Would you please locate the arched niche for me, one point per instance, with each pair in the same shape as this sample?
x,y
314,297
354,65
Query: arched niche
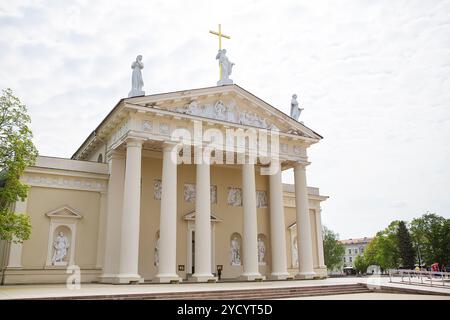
x,y
235,249
62,236
262,249
293,245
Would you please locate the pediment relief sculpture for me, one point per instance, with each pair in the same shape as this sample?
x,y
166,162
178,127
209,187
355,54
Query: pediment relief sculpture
x,y
226,112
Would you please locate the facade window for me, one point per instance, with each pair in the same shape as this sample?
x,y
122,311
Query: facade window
x,y
356,251
350,258
344,259
349,251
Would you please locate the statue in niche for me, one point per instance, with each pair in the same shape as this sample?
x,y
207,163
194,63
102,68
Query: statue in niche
x,y
60,246
136,78
235,252
157,252
295,110
295,252
226,67
261,250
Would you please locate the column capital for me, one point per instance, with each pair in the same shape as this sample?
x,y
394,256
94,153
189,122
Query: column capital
x,y
114,154
301,165
134,142
169,146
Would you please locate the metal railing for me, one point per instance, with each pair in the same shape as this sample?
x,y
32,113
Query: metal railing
x,y
425,278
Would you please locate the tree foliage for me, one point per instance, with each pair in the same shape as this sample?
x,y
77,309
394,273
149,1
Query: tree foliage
x,y
360,264
431,234
383,249
17,152
405,246
333,249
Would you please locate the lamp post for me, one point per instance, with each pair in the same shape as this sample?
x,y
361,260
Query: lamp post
x,y
418,252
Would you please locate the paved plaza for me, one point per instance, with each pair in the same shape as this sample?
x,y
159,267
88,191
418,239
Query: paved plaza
x,y
60,290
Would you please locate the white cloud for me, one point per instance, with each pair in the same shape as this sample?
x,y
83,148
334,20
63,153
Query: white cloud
x,y
373,78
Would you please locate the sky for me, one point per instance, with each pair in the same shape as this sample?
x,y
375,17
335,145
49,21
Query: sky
x,y
373,78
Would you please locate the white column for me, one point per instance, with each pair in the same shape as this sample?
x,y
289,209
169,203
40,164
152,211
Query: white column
x,y
305,253
101,230
168,218
15,249
113,217
203,225
250,238
319,238
129,249
277,228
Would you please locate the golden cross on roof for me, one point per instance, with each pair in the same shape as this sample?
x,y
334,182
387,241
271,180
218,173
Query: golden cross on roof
x,y
220,35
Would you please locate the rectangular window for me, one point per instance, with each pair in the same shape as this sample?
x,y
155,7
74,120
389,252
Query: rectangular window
x,y
349,251
350,259
344,259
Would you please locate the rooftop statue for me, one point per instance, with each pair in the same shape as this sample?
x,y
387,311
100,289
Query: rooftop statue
x,y
136,78
225,66
295,110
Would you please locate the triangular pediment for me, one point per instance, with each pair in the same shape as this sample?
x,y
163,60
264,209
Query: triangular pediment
x,y
64,212
191,217
225,105
229,103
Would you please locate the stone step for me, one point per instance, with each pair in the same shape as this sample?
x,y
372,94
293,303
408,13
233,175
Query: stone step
x,y
266,293
269,295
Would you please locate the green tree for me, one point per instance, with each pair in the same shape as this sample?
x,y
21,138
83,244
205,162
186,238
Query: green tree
x,y
16,153
333,250
383,249
405,246
360,264
431,235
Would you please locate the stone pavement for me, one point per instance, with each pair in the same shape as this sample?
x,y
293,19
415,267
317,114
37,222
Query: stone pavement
x,y
375,296
60,290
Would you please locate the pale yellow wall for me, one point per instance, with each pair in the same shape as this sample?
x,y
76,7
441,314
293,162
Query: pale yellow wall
x,y
290,218
231,217
43,200
312,220
149,222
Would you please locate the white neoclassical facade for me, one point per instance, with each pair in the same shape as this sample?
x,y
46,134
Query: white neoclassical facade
x,y
180,186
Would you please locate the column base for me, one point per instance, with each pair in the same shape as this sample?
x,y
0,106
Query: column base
x,y
252,277
107,278
14,267
127,279
305,275
279,276
167,278
203,278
